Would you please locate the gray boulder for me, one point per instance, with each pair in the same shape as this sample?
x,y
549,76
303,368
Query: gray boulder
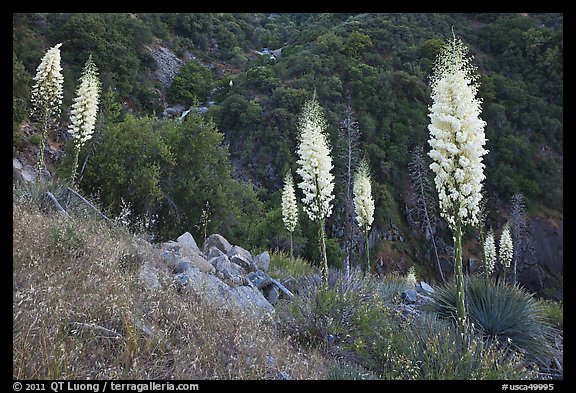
x,y
148,278
262,261
259,279
218,241
187,241
408,296
284,292
219,294
228,271
249,299
170,258
182,266
424,288
176,258
241,257
272,294
199,262
214,252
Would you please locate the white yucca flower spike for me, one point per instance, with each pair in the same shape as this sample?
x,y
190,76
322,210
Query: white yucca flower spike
x,y
363,202
46,93
315,163
506,247
456,135
489,253
85,106
289,207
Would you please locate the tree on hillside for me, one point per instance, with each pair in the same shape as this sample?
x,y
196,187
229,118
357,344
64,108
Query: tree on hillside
x,y
425,206
349,135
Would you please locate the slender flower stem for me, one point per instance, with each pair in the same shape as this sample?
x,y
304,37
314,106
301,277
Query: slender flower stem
x,y
324,256
459,276
367,251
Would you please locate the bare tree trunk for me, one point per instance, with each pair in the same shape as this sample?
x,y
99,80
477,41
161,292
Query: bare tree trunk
x,y
419,182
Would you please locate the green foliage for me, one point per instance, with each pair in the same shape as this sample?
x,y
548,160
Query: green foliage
x,y
352,321
127,165
281,266
262,78
426,349
357,43
35,139
350,371
171,169
65,242
502,313
553,312
191,85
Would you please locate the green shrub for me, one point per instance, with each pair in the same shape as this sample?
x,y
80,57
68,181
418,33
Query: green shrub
x,y
35,139
191,85
340,317
553,312
350,371
281,266
500,312
65,241
426,348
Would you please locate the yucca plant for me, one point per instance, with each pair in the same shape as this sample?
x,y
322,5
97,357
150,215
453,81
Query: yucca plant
x,y
502,313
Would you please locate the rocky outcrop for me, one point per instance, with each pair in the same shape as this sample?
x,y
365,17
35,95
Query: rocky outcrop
x,y
168,64
223,275
542,259
218,241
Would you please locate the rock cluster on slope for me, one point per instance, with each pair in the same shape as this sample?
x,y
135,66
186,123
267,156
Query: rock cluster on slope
x,y
222,274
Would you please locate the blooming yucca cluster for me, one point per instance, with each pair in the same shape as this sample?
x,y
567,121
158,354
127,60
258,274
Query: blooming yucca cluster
x,y
85,106
289,207
506,247
46,94
363,201
315,163
457,135
489,253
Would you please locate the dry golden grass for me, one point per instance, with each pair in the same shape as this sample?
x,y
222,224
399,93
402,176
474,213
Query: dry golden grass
x,y
67,273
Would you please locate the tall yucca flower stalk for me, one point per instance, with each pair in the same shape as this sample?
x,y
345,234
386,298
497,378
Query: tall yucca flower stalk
x,y
46,96
289,208
84,109
315,164
489,253
506,248
457,141
363,203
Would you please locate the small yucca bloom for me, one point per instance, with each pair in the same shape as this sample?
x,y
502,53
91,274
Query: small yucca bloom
x,y
85,106
489,253
506,247
46,93
84,109
289,207
363,201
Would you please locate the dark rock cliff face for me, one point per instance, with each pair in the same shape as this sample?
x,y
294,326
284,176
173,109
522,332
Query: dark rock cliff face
x,y
542,261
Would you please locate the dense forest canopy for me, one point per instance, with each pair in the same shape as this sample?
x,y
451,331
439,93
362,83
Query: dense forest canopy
x,y
236,153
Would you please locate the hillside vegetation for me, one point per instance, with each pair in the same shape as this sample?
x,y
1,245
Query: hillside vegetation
x,y
287,196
